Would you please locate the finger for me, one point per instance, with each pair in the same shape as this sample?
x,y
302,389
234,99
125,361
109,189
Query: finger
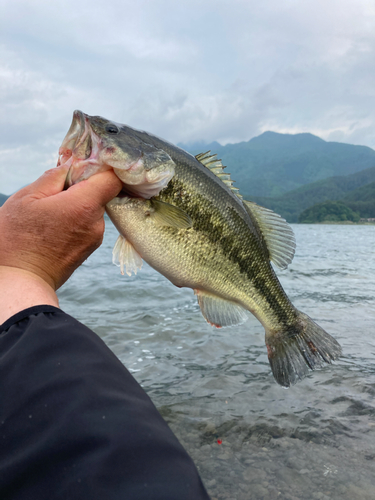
x,y
100,188
48,184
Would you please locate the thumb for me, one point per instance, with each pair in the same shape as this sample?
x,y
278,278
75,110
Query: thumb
x,y
100,188
48,184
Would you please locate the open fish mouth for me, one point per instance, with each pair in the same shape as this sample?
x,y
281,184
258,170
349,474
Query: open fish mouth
x,y
76,134
94,144
79,150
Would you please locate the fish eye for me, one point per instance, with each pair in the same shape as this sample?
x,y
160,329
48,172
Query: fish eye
x,y
111,129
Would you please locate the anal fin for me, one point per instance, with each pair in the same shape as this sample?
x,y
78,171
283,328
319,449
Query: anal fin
x,y
126,256
220,312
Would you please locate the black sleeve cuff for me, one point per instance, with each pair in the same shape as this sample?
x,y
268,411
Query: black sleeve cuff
x,y
74,423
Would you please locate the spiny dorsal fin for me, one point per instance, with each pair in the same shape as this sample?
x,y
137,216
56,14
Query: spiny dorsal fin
x,y
211,162
278,234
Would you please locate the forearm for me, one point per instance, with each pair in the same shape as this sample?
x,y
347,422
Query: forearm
x,y
20,289
75,424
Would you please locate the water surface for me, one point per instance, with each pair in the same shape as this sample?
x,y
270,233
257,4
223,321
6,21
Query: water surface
x,y
315,440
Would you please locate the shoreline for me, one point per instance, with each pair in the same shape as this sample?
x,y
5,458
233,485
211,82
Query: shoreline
x,y
346,223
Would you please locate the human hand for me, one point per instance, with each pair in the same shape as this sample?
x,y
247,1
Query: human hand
x,y
49,232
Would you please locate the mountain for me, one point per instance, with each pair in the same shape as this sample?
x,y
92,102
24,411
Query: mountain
x,y
362,200
3,198
273,164
291,204
358,203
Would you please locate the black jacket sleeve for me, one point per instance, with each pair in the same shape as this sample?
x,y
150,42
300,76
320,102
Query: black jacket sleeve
x,y
74,424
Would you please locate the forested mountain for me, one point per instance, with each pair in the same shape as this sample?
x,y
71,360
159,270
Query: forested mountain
x,y
351,189
359,203
328,211
362,200
273,164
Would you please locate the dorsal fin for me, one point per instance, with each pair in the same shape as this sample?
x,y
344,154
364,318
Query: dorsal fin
x,y
211,162
278,234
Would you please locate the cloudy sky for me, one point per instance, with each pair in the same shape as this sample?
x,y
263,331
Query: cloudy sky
x,y
185,70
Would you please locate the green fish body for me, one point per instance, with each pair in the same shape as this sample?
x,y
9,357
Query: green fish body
x,y
196,230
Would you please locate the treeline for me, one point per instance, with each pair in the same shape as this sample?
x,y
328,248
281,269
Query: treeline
x,y
360,203
328,211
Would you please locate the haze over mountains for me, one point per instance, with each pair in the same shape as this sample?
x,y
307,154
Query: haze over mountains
x,y
273,164
289,173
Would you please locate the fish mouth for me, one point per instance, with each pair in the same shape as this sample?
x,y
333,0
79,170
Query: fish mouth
x,y
76,132
79,149
87,149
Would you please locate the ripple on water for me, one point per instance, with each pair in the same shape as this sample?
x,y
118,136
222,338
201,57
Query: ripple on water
x,y
315,440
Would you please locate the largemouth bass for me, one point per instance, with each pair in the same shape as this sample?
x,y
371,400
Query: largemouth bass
x,y
182,215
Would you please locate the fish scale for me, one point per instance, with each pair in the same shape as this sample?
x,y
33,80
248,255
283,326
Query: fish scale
x,y
240,248
190,224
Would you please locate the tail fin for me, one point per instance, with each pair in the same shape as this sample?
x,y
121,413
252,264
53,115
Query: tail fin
x,y
294,351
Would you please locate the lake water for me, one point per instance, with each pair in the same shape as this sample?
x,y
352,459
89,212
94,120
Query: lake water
x,y
315,440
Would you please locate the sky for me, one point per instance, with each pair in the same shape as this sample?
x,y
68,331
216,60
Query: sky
x,y
187,70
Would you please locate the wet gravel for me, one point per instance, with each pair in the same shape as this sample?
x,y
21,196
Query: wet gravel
x,y
263,462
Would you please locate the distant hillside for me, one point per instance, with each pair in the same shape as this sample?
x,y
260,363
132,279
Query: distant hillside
x,y
291,204
3,198
362,200
358,203
328,211
273,164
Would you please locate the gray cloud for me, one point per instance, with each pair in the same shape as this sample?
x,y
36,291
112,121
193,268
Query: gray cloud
x,y
190,70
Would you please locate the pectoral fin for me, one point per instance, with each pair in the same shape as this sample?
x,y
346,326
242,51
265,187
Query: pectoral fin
x,y
126,256
165,214
219,312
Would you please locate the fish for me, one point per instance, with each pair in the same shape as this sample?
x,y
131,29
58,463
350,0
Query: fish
x,y
183,216
94,144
